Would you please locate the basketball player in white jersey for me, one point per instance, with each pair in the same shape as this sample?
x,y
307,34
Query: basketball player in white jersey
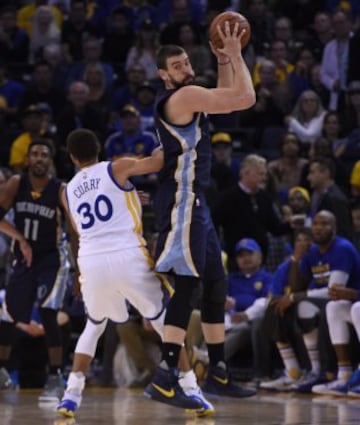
x,y
114,264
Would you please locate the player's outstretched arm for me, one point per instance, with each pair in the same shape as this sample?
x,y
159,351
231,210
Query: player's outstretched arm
x,y
125,167
8,193
10,230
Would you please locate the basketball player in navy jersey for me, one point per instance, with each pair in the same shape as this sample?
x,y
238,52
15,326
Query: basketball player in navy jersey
x,y
35,199
188,246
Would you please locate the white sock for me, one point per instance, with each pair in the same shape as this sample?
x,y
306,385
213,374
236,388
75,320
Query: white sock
x,y
76,381
311,341
188,379
290,361
344,372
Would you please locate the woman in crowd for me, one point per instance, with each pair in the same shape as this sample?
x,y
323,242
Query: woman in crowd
x,y
306,119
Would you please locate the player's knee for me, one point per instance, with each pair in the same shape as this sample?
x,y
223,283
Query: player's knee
x,y
213,301
331,309
89,337
215,291
183,301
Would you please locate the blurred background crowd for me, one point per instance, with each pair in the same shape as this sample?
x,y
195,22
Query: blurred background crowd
x,y
67,64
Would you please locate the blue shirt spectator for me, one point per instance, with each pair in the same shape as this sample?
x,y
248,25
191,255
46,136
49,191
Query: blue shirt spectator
x,y
131,139
251,281
340,256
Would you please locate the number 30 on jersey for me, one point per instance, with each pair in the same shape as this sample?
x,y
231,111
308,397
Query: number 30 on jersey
x,y
101,210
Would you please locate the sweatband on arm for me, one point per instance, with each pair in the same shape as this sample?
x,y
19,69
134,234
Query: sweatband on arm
x,y
338,277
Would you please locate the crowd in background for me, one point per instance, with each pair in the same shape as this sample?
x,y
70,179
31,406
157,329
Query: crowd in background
x,y
67,64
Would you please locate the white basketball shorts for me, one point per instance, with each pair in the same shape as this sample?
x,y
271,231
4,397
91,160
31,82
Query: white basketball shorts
x,y
108,280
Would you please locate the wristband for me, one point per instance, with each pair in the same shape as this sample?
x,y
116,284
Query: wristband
x,y
224,63
2,213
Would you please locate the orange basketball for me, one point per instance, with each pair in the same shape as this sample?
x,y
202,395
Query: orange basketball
x,y
232,17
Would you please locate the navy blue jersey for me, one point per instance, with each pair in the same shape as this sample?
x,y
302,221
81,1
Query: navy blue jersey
x,y
187,243
38,215
187,149
340,256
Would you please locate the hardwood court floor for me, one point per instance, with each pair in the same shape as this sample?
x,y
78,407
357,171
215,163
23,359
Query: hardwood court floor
x,y
129,407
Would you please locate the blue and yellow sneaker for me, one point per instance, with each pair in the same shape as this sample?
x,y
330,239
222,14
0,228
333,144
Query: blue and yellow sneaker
x,y
70,403
308,381
207,408
188,382
165,388
67,408
219,383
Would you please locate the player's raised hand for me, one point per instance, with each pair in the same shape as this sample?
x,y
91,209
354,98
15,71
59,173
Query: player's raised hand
x,y
231,39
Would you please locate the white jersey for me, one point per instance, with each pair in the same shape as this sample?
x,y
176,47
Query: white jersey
x,y
107,216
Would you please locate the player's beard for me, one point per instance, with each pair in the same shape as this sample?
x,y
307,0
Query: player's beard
x,y
39,170
187,81
323,239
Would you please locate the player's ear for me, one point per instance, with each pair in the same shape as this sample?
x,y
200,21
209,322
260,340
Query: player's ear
x,y
73,159
163,74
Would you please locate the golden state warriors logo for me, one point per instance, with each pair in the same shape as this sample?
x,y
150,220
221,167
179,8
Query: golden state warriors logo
x,y
139,148
321,273
258,285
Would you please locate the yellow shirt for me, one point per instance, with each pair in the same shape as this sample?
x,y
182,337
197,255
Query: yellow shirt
x,y
25,16
355,175
280,74
18,150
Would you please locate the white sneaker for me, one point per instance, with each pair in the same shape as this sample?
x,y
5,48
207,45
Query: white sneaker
x,y
5,379
337,387
53,389
283,383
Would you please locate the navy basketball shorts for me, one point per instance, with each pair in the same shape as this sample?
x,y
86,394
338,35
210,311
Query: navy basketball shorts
x,y
188,244
43,284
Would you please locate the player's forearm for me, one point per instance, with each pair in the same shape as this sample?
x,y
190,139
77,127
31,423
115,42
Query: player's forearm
x,y
7,228
225,73
243,84
295,279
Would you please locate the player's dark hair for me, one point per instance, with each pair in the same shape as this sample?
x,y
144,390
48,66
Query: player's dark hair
x,y
43,142
83,144
166,52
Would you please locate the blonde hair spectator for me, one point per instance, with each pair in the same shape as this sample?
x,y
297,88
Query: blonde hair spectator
x,y
94,77
306,119
44,31
251,162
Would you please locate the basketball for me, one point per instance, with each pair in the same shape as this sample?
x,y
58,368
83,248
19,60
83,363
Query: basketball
x,y
232,17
